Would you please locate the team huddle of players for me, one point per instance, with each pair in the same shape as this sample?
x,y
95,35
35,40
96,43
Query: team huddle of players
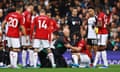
x,y
37,34
22,29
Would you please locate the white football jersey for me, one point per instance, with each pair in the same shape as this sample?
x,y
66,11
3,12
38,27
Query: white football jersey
x,y
91,31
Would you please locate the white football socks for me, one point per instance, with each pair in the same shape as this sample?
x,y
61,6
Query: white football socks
x,y
51,58
96,58
24,55
31,57
75,59
104,57
35,58
13,58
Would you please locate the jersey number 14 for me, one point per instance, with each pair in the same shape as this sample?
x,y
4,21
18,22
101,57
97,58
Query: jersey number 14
x,y
42,24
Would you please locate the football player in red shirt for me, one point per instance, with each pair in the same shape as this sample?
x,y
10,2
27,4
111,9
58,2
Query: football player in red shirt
x,y
26,43
81,52
53,26
14,21
41,37
102,37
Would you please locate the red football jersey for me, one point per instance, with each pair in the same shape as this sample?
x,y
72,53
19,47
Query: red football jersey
x,y
27,19
41,24
102,18
52,27
82,44
14,19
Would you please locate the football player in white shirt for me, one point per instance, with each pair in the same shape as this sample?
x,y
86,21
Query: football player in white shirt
x,y
92,36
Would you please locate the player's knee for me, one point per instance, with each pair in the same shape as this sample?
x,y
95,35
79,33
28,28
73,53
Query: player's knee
x,y
18,50
15,49
85,59
31,48
36,50
75,56
1,48
24,48
1,44
49,50
102,48
50,54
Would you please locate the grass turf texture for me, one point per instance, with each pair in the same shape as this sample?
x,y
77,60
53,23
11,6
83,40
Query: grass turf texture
x,y
112,68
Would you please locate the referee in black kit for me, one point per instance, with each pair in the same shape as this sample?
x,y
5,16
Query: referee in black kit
x,y
74,22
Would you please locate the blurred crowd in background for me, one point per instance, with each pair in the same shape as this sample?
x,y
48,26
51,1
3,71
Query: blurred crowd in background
x,y
61,10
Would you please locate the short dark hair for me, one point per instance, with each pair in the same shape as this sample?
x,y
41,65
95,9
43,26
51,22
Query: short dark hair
x,y
48,12
63,26
75,7
56,33
18,7
91,7
42,11
100,7
29,4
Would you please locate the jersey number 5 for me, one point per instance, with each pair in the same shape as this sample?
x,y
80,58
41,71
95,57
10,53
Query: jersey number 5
x,y
42,24
13,22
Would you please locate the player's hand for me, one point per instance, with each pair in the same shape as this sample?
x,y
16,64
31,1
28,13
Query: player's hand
x,y
32,35
68,45
31,38
1,32
115,48
27,39
0,38
99,25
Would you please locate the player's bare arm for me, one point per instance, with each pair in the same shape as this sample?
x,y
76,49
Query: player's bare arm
x,y
3,24
99,24
73,47
24,32
76,48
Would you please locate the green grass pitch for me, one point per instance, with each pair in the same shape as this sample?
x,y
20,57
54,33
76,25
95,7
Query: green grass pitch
x,y
112,68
